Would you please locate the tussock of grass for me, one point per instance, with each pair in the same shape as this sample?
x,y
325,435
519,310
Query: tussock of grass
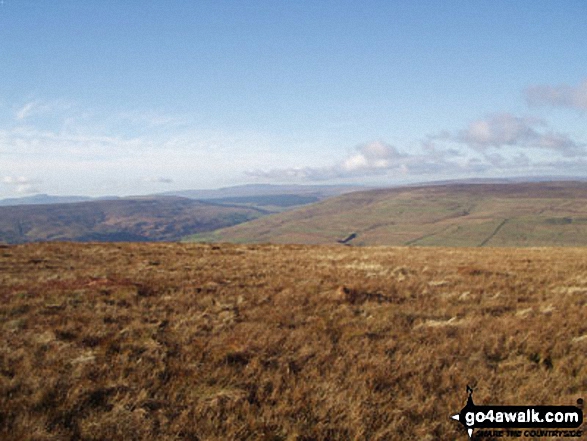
x,y
208,342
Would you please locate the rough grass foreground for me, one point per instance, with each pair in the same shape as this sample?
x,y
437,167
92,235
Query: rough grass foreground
x,y
206,342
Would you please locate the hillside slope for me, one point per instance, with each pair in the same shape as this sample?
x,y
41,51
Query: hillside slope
x,y
520,214
147,219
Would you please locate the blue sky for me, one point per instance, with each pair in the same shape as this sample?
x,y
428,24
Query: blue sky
x,y
135,97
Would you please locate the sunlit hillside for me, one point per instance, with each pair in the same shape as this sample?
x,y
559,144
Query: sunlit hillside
x,y
471,215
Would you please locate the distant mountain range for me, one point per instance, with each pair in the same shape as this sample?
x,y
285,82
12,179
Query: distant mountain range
x,y
510,214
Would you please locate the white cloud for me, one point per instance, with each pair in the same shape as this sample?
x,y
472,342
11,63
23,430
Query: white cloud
x,y
499,130
502,130
573,97
481,152
376,158
371,157
78,152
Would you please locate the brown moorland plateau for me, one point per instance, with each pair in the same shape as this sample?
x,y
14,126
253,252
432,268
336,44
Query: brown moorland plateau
x,y
282,342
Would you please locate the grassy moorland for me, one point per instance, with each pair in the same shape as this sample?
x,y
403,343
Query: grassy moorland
x,y
234,342
470,215
123,220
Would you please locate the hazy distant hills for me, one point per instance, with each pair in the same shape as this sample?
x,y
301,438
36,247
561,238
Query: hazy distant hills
x,y
144,219
509,214
42,199
266,196
257,190
274,198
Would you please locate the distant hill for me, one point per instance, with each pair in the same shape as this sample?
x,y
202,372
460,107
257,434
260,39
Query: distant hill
x,y
509,214
42,199
275,202
257,190
143,219
268,197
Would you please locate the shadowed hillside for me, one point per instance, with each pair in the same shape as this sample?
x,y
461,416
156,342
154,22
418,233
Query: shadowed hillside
x,y
521,214
250,342
138,220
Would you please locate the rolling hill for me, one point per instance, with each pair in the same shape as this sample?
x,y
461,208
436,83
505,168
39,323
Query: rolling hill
x,y
44,199
138,220
268,197
511,214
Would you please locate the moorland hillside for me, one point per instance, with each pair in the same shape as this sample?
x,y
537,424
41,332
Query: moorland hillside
x,y
123,220
472,215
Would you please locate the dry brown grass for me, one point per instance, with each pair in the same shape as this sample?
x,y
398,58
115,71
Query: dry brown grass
x,y
207,342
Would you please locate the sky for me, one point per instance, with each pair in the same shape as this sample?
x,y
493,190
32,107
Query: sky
x,y
138,97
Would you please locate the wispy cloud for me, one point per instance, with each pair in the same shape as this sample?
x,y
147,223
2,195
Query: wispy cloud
x,y
573,97
39,107
26,110
151,119
20,184
27,140
158,180
14,180
81,151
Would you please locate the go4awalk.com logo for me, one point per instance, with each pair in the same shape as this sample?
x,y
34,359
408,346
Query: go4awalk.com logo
x,y
518,421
